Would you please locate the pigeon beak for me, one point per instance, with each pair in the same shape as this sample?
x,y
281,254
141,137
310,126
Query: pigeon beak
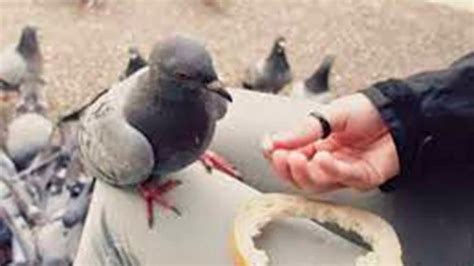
x,y
218,87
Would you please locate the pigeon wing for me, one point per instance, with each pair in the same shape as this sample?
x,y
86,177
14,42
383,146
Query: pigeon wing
x,y
112,149
12,67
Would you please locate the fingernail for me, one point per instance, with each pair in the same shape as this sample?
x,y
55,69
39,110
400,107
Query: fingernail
x,y
267,146
267,143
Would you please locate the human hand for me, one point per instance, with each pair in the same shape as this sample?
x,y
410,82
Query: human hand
x,y
359,153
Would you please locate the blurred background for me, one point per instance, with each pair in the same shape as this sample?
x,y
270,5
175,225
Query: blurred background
x,y
85,48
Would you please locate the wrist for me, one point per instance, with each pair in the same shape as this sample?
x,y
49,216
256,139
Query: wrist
x,y
398,106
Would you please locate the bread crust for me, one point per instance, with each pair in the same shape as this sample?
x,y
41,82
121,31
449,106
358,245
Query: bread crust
x,y
258,212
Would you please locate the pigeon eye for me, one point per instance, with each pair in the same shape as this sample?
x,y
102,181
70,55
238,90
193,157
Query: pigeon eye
x,y
182,76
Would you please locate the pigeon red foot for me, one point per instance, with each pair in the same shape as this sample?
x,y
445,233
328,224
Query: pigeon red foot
x,y
8,96
212,160
4,97
153,192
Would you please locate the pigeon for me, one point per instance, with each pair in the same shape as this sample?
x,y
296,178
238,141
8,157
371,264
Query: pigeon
x,y
6,240
30,131
164,116
31,98
78,204
7,170
21,61
91,4
28,135
55,194
52,244
270,75
76,188
7,167
14,212
135,63
317,85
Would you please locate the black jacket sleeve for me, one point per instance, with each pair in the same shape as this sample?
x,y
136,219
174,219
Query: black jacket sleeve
x,y
431,119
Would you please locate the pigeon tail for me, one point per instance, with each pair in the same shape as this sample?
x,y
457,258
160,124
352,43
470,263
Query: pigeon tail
x,y
319,81
76,114
247,85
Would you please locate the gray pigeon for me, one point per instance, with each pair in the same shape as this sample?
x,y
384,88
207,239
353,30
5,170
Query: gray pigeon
x,y
78,204
52,244
135,63
270,75
6,240
28,135
31,97
29,132
91,4
7,167
163,116
21,61
317,85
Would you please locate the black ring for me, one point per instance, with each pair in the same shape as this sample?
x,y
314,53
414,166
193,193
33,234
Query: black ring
x,y
324,124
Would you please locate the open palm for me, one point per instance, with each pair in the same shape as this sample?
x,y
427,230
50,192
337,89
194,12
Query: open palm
x,y
360,152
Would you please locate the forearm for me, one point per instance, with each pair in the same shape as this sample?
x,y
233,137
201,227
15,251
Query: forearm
x,y
430,116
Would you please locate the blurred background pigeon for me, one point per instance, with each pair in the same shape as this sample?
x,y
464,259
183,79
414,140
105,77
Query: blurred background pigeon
x,y
90,4
28,135
6,237
78,203
135,62
52,243
7,167
271,74
20,61
32,99
30,130
317,85
42,182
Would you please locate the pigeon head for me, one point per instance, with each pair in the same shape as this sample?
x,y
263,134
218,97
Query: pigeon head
x,y
183,69
279,46
55,185
277,59
133,52
75,188
28,44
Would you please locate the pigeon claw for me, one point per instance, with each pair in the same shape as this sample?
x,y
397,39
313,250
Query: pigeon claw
x,y
212,160
152,192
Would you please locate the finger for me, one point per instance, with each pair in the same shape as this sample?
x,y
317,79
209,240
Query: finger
x,y
267,147
308,150
322,181
349,174
279,160
325,145
300,137
299,170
